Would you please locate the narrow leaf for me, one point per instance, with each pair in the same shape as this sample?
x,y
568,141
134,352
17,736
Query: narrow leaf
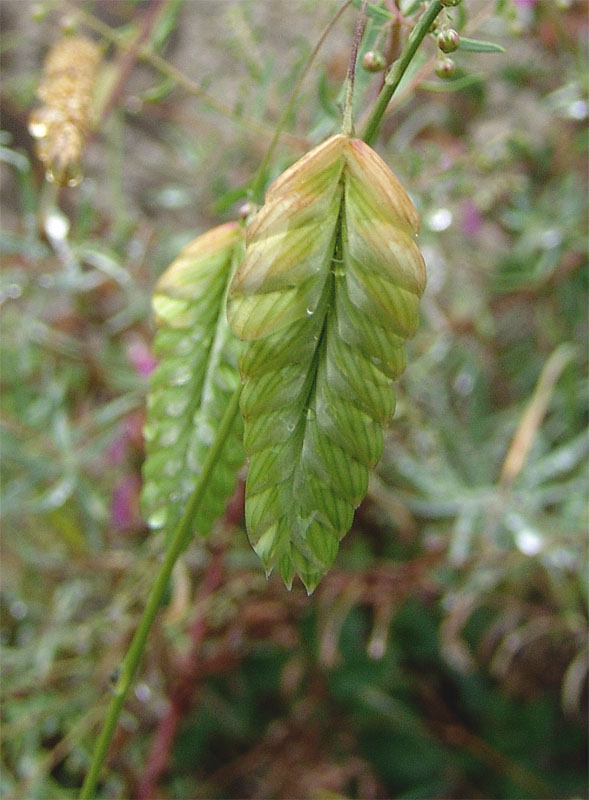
x,y
326,295
478,46
375,11
193,383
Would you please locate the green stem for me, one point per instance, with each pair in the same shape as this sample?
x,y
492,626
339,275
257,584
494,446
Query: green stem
x,y
131,660
398,69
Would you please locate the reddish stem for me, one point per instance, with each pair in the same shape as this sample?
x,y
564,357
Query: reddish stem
x,y
129,58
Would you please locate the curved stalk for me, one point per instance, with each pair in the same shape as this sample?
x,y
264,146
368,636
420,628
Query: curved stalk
x,y
398,69
256,186
348,123
131,660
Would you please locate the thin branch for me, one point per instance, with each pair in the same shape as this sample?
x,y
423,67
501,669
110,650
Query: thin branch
x,y
534,414
144,53
130,56
348,123
259,176
131,660
398,69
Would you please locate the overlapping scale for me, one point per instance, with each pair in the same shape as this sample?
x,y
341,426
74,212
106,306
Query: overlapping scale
x,y
326,296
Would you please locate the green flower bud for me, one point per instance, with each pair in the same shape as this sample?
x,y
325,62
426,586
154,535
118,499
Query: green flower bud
x,y
373,61
445,67
448,40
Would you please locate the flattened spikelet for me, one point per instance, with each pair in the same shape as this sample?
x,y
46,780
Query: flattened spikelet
x,y
62,123
326,295
193,383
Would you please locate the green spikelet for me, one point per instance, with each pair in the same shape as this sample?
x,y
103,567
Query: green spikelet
x,y
326,295
193,382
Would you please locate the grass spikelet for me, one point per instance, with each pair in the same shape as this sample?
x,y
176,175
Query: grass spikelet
x,y
62,123
193,383
326,296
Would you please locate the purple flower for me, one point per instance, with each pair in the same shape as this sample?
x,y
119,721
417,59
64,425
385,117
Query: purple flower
x,y
124,507
472,221
141,357
117,449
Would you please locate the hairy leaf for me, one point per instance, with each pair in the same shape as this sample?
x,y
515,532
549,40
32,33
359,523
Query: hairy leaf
x,y
327,293
195,379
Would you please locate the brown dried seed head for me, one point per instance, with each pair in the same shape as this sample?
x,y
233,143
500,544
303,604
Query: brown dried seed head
x,y
62,123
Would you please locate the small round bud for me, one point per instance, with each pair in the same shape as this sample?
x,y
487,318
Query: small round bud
x,y
373,61
448,40
247,209
450,2
445,67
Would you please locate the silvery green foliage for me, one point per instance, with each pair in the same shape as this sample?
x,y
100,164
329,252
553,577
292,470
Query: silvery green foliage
x,y
326,296
193,383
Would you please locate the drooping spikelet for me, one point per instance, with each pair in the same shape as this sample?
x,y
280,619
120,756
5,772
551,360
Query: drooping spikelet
x,y
62,123
326,296
193,383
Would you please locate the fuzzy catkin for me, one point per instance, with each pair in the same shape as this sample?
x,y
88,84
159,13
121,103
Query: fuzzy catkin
x,y
62,123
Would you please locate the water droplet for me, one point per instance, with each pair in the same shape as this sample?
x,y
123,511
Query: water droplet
x,y
578,109
74,176
529,542
440,219
311,415
57,226
38,127
142,692
158,518
290,426
310,311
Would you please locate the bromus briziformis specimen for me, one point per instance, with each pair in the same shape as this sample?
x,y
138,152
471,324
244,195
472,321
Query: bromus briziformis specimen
x,y
326,296
193,383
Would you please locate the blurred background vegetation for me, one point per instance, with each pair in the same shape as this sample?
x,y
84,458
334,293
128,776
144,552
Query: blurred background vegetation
x,y
445,656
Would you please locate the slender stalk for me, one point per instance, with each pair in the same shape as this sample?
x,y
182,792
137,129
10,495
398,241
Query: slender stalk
x,y
144,53
398,69
348,122
259,176
129,57
131,660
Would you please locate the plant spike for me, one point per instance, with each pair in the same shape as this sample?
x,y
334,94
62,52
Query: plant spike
x,y
193,383
326,295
